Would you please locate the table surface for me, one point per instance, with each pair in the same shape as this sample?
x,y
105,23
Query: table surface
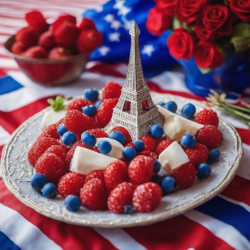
x,y
222,223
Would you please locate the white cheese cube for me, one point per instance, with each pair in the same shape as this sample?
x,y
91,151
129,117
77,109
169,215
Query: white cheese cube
x,y
116,150
51,117
85,160
166,113
173,157
176,126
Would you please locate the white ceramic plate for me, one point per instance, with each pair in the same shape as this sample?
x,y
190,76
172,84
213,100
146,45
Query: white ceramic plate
x,y
17,171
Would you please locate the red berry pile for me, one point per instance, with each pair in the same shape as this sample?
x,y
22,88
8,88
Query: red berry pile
x,y
125,184
61,39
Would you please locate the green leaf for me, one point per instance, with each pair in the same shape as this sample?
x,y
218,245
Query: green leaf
x,y
58,103
205,71
176,23
240,37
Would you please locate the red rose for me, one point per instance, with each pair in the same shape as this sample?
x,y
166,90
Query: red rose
x,y
188,10
181,44
208,55
241,9
157,21
167,6
215,21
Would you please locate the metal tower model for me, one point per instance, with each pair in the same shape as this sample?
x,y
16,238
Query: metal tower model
x,y
135,109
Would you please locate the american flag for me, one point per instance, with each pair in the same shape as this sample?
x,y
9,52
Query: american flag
x,y
222,223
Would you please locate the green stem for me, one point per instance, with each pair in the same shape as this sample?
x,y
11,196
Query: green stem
x,y
243,109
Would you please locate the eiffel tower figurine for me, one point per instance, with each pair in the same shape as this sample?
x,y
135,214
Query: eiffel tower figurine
x,y
135,109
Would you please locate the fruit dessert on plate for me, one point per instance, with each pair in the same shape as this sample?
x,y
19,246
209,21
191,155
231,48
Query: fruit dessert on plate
x,y
75,158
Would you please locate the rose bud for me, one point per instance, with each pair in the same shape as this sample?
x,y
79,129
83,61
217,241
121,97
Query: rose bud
x,y
27,36
157,21
181,44
47,41
66,35
89,40
208,55
17,48
35,52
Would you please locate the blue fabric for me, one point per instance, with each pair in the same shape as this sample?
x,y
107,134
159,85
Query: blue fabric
x,y
7,244
230,213
116,17
8,84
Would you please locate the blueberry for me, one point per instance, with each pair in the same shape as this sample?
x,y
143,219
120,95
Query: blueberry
x,y
129,153
161,103
89,110
128,209
98,104
61,129
156,179
139,145
214,155
49,190
69,138
88,139
104,147
72,203
157,167
118,136
171,106
90,95
156,131
203,170
188,110
168,184
38,181
188,140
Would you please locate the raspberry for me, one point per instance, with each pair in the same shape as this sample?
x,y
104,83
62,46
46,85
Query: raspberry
x,y
163,145
159,140
185,175
149,154
98,174
124,132
140,169
111,90
77,122
99,133
104,113
150,143
78,104
94,195
51,132
57,150
210,136
207,117
130,144
51,166
115,173
39,147
71,152
120,196
147,197
70,184
198,154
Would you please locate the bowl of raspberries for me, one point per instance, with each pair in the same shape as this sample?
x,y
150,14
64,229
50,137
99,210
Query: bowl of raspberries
x,y
53,54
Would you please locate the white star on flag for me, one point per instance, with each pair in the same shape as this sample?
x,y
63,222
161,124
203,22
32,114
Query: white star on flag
x,y
109,18
148,49
99,9
127,24
124,11
115,24
114,37
118,4
104,50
